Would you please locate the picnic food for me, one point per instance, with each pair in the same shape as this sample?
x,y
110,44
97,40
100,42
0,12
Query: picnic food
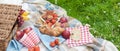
x,y
56,41
19,35
50,17
52,44
30,49
36,48
26,30
63,20
66,34
56,31
20,20
23,16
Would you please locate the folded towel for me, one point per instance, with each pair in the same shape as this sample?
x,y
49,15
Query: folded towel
x,y
46,39
14,45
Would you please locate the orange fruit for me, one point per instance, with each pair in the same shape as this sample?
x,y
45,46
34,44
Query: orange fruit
x,y
52,44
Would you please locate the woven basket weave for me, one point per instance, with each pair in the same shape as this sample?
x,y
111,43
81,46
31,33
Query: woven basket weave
x,y
8,17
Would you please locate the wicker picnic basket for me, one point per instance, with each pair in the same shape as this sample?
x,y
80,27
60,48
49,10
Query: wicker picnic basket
x,y
8,17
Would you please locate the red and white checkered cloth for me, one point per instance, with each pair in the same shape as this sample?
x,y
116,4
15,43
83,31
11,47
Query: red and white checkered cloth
x,y
33,36
25,40
86,37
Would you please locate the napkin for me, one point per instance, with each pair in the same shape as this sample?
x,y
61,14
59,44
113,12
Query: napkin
x,y
84,36
14,45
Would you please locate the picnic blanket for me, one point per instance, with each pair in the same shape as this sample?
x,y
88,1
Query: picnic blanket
x,y
33,6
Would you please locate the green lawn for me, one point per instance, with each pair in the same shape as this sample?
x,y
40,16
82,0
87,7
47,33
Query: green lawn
x,y
102,15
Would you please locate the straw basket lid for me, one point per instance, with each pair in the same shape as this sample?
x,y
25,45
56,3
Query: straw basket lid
x,y
8,17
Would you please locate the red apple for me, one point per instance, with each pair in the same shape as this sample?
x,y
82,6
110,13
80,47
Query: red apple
x,y
19,35
55,18
55,15
66,34
53,21
63,20
18,32
47,21
27,30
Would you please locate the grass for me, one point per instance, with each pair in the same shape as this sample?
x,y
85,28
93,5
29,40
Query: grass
x,y
102,15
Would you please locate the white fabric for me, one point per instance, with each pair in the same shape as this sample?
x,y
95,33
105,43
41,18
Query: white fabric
x,y
109,46
15,2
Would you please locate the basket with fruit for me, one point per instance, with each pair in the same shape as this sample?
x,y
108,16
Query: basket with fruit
x,y
53,25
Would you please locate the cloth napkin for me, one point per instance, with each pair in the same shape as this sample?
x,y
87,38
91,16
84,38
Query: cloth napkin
x,y
85,36
14,45
46,39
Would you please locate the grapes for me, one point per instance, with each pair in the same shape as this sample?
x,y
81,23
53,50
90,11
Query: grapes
x,y
21,12
20,18
20,22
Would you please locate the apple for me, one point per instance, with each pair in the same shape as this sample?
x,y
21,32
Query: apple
x,y
55,15
47,21
66,34
55,18
63,20
53,21
27,30
19,35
